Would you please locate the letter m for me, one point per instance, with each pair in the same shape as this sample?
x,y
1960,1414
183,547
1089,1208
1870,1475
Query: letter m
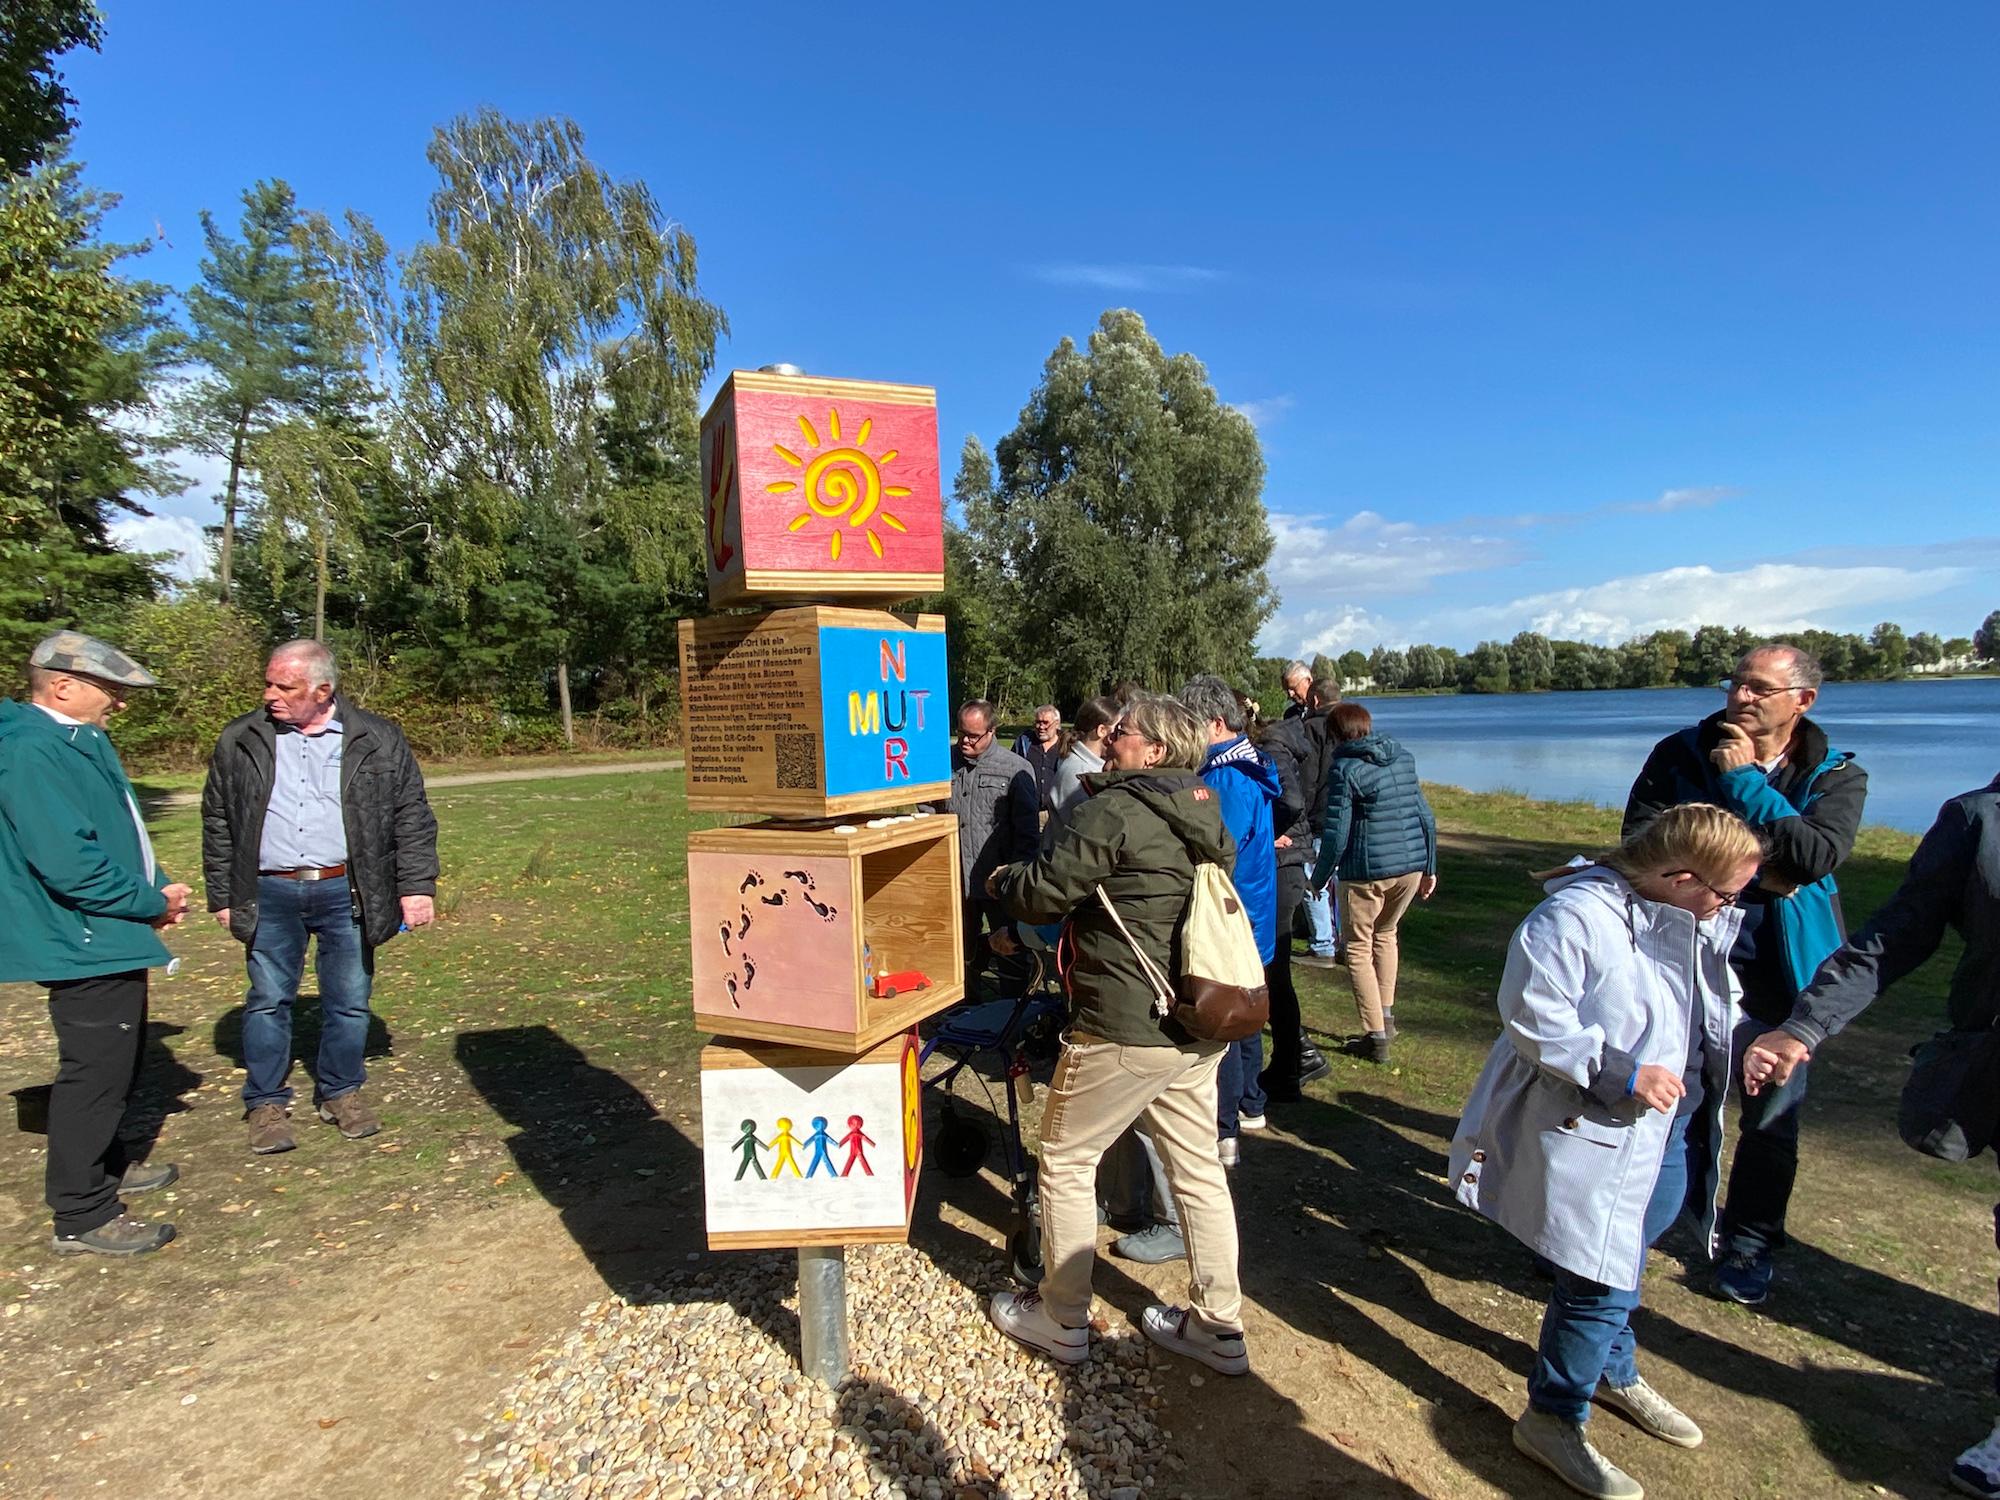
x,y
864,713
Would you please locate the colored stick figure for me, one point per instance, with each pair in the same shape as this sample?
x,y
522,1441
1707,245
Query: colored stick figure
x,y
748,1143
819,1140
854,1140
782,1143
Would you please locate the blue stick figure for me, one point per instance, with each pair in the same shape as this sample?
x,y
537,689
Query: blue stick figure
x,y
819,1140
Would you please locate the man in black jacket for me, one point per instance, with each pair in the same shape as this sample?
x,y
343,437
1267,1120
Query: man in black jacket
x,y
314,825
1297,744
1953,882
1764,760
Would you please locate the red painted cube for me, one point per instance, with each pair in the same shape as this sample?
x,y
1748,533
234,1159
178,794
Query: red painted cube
x,y
821,489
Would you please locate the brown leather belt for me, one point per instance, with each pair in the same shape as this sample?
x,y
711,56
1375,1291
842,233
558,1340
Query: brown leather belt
x,y
325,872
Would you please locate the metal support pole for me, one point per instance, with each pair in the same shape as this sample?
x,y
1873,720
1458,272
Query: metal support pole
x,y
823,1312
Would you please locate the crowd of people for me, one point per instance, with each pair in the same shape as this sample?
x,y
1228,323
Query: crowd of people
x,y
1707,953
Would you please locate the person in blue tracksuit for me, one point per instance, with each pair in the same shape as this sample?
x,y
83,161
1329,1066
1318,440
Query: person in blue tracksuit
x,y
1763,759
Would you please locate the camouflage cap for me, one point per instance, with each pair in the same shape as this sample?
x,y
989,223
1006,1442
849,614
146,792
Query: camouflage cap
x,y
87,656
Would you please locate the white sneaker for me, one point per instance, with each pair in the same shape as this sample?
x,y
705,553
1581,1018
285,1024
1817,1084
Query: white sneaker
x,y
1251,1122
1229,1151
1562,1449
1977,1471
1023,1317
1178,1329
1653,1412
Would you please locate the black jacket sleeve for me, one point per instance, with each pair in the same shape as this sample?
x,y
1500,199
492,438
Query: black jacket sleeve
x,y
416,828
1898,938
218,841
1291,803
1657,789
1818,841
1024,816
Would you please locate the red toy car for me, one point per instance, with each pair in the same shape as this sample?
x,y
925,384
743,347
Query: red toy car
x,y
888,986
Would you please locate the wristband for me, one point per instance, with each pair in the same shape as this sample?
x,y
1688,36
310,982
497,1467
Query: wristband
x,y
1632,1083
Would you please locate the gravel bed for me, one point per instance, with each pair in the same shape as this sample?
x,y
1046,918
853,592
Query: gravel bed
x,y
693,1393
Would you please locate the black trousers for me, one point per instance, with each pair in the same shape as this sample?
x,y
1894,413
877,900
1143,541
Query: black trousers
x,y
100,1037
1287,1044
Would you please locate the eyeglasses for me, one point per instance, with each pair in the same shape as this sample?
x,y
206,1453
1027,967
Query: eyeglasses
x,y
1123,730
1727,898
1757,692
972,739
1047,723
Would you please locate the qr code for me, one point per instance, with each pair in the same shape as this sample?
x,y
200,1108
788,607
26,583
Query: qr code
x,y
798,761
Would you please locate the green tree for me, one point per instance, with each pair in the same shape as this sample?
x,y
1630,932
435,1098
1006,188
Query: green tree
x,y
1958,648
542,274
81,350
1426,667
1325,666
1986,639
1712,656
1354,666
1487,670
1127,506
1926,650
977,599
1891,649
1531,661
251,338
35,108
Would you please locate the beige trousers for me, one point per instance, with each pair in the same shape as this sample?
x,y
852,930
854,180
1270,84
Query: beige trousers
x,y
1098,1090
1369,913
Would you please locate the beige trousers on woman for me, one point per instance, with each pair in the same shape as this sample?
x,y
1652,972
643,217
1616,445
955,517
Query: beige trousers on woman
x,y
1369,913
1099,1088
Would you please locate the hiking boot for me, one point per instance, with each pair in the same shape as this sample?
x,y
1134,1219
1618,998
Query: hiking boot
x,y
1023,1317
1373,1047
1562,1449
351,1113
1317,960
1252,1122
1178,1329
141,1177
1228,1151
1745,1277
1312,1063
1153,1246
1977,1471
1389,1022
1652,1411
271,1129
123,1235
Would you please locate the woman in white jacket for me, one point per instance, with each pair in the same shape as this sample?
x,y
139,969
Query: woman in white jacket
x,y
1598,1115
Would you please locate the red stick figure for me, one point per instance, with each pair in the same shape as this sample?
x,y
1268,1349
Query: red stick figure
x,y
853,1141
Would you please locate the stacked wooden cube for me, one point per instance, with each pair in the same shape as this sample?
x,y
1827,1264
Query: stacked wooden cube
x,y
823,935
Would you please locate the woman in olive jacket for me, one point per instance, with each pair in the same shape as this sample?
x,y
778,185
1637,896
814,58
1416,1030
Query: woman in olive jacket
x,y
1134,843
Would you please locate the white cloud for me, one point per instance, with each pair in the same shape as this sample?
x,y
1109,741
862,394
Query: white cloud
x,y
1766,597
1700,497
1333,631
1263,413
178,535
1128,277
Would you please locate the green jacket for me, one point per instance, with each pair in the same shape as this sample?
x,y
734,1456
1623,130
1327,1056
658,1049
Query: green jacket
x,y
1138,834
72,869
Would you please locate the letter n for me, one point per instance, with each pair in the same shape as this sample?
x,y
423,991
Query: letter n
x,y
893,661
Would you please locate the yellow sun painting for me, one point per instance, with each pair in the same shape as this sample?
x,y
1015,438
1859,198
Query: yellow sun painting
x,y
841,480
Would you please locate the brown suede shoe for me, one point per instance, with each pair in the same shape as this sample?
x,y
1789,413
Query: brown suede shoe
x,y
351,1113
123,1235
271,1129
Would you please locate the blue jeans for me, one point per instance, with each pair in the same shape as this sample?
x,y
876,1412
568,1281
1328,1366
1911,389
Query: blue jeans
x,y
288,913
1237,1091
1587,1331
1319,916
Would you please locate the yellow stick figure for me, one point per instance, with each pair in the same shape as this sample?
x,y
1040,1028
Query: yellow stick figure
x,y
782,1143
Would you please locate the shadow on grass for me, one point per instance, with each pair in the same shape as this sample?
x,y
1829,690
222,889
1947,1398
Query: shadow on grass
x,y
163,1079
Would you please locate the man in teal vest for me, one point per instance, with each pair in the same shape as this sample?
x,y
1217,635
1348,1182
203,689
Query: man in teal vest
x,y
84,898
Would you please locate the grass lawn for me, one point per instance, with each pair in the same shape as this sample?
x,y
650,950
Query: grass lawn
x,y
535,1064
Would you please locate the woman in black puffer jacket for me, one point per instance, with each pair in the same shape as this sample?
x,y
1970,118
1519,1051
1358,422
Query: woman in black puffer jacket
x,y
1378,835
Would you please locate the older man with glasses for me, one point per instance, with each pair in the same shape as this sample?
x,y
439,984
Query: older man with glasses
x,y
998,804
1762,758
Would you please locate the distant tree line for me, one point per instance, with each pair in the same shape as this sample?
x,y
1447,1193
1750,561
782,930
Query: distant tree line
x,y
1531,662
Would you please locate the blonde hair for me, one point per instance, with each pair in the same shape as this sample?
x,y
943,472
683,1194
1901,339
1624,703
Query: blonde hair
x,y
1170,724
1697,836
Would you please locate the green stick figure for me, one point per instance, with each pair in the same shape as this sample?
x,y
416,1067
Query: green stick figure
x,y
748,1143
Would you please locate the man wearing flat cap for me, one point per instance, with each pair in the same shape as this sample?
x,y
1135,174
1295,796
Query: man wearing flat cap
x,y
314,828
84,899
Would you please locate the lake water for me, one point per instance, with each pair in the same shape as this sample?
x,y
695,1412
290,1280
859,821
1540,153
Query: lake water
x,y
1920,742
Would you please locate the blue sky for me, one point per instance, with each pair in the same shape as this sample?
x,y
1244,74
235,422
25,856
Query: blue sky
x,y
1584,318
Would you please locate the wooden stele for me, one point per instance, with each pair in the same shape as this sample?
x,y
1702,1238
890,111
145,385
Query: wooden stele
x,y
824,489
791,924
809,1148
815,711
